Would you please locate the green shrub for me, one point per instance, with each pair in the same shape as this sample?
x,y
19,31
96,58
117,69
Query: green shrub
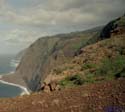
x,y
121,22
121,50
70,81
88,66
109,69
112,67
122,74
90,78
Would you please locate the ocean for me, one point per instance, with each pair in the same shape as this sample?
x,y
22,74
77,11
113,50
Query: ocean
x,y
8,64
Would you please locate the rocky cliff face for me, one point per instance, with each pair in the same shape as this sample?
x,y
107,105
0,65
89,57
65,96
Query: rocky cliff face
x,y
114,26
47,53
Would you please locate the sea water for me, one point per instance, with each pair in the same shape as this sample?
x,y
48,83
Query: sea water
x,y
8,64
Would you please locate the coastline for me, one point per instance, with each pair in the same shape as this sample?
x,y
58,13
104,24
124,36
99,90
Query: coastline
x,y
14,63
24,89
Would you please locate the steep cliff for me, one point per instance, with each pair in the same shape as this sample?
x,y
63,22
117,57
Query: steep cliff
x,y
46,54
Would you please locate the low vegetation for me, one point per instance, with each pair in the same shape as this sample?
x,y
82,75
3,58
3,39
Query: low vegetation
x,y
88,66
121,22
79,45
70,81
110,68
114,67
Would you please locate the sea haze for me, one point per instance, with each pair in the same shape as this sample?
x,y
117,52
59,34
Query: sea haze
x,y
8,64
5,64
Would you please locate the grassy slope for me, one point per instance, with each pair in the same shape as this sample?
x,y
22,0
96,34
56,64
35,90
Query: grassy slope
x,y
101,61
104,60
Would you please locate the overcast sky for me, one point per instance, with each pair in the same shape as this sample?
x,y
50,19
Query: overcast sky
x,y
24,21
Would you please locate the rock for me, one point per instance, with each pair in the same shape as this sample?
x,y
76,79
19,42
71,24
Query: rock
x,y
47,89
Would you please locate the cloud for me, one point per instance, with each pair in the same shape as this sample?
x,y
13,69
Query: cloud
x,y
28,22
65,13
19,36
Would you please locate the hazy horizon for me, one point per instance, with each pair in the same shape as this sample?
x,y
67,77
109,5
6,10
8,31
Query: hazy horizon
x,y
24,21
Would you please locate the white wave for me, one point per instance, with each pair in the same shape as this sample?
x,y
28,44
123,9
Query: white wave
x,y
12,72
24,89
14,62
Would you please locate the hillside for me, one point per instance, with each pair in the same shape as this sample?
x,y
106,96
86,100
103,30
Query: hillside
x,y
46,54
104,60
76,72
57,57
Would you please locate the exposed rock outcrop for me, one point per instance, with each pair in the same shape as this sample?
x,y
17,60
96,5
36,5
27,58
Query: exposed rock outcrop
x,y
115,26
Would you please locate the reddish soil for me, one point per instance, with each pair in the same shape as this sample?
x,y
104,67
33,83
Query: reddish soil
x,y
99,97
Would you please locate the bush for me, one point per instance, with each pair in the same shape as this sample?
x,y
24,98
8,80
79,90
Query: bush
x,y
88,66
109,69
70,81
121,22
90,78
112,67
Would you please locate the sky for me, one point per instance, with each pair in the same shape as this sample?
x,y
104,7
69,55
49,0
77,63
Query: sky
x,y
24,21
